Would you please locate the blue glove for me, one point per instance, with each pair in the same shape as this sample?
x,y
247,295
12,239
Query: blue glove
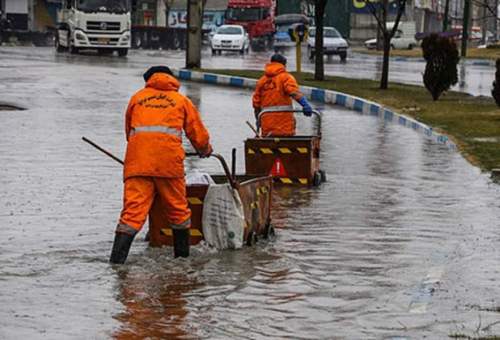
x,y
306,106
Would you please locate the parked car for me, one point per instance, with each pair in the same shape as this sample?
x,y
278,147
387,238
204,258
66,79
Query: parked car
x,y
283,22
404,38
333,43
475,36
230,38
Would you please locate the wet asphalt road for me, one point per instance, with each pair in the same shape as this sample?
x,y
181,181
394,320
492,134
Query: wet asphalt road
x,y
401,242
475,76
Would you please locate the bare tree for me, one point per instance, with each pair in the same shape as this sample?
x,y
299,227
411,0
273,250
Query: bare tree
x,y
380,11
319,14
488,5
489,12
446,15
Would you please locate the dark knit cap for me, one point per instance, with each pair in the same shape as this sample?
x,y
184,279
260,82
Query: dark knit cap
x,y
156,69
278,58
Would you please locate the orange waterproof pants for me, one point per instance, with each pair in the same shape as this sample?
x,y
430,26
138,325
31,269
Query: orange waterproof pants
x,y
139,194
278,124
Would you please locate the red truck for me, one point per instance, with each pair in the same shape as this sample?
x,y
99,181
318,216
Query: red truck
x,y
257,16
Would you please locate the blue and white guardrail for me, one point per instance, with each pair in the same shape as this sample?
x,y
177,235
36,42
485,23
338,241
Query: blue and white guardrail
x,y
360,105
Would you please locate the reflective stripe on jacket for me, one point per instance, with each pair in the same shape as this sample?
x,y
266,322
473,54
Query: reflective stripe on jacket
x,y
155,118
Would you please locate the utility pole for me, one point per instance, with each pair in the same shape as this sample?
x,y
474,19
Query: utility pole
x,y
446,15
194,26
298,56
495,28
465,28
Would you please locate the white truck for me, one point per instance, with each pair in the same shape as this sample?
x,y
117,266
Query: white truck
x,y
404,38
102,25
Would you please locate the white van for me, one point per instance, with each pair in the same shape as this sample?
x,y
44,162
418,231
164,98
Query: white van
x,y
404,38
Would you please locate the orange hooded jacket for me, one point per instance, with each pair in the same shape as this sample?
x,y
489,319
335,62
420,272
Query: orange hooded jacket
x,y
276,87
155,118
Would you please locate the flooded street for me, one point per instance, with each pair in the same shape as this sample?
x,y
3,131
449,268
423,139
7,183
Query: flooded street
x,y
474,76
400,243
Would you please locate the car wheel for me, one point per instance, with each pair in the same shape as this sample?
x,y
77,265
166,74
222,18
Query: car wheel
x,y
316,179
251,239
72,49
311,54
177,42
410,47
59,47
269,231
343,57
322,173
242,51
214,52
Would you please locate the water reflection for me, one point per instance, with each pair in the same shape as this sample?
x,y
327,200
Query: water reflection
x,y
347,261
154,304
462,82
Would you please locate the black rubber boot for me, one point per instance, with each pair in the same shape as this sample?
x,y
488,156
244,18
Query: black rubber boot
x,y
121,247
181,242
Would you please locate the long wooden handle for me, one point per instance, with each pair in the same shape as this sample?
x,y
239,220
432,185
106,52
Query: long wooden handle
x,y
104,151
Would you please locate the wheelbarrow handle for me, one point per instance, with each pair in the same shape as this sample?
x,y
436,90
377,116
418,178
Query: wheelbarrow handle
x,y
231,180
276,109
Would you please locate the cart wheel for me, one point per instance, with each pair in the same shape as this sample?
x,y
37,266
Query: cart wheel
x,y
323,176
317,179
251,239
270,232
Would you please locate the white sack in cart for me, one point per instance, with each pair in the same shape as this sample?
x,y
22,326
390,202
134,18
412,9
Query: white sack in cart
x,y
196,177
223,218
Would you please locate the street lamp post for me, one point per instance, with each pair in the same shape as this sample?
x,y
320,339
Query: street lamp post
x,y
194,26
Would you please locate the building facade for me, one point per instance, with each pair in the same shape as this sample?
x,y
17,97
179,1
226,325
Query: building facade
x,y
364,24
18,13
173,13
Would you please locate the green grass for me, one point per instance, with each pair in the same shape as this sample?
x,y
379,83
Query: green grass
x,y
472,53
472,122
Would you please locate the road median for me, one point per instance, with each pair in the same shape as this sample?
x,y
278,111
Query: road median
x,y
471,123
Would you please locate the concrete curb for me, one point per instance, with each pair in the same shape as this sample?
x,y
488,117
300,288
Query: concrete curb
x,y
357,104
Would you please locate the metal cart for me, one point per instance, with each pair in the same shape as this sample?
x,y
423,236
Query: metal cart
x,y
290,160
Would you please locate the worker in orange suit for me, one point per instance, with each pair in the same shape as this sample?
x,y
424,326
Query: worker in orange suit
x,y
275,89
154,160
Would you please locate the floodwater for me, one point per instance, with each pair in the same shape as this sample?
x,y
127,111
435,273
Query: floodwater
x,y
475,76
400,243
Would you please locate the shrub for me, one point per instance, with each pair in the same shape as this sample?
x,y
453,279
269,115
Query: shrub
x,y
495,92
441,55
